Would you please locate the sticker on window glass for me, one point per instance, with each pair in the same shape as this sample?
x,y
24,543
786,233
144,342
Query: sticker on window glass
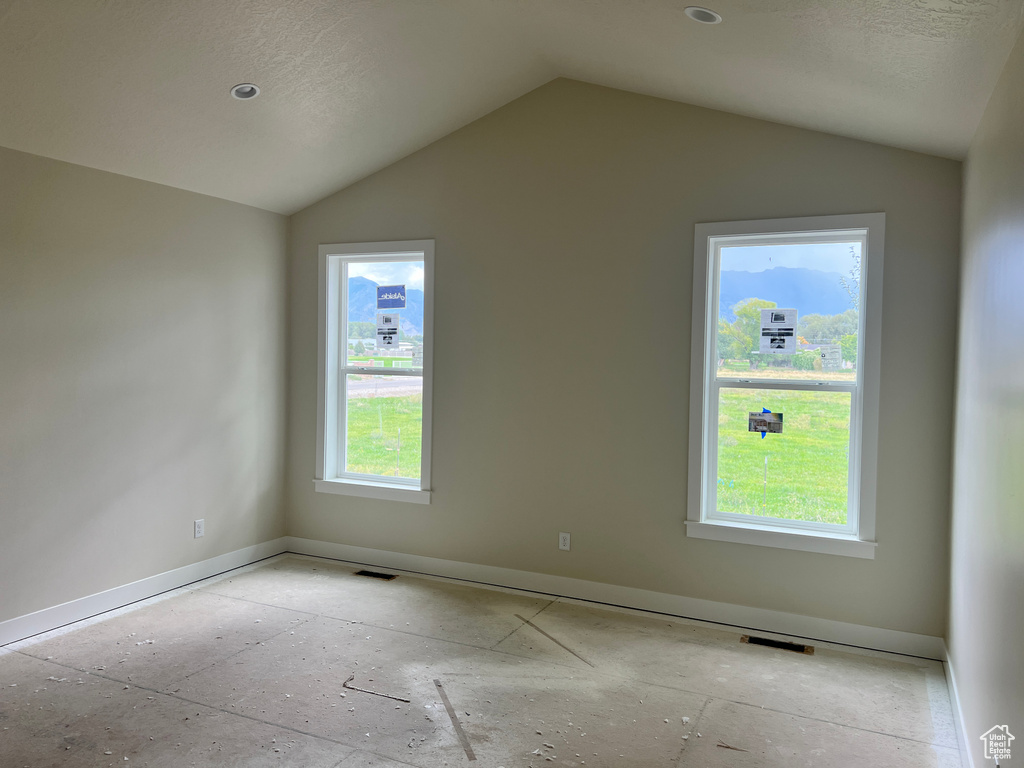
x,y
390,297
764,422
778,332
387,329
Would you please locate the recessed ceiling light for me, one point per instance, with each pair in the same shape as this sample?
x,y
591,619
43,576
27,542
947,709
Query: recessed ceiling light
x,y
245,91
703,15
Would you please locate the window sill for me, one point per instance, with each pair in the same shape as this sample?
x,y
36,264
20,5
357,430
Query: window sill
x,y
373,490
846,546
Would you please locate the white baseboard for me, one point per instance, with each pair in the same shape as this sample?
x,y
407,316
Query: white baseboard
x,y
959,725
761,619
31,624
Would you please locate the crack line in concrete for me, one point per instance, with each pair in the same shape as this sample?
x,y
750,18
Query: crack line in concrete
x,y
554,640
506,637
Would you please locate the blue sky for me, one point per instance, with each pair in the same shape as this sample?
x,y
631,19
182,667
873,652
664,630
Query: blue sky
x,y
407,273
824,257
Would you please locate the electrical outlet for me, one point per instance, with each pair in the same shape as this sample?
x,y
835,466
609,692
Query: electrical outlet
x,y
200,528
563,541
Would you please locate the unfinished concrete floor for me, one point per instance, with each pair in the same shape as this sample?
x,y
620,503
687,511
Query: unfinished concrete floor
x,y
250,669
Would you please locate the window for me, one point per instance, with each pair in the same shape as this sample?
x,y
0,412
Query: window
x,y
375,364
784,382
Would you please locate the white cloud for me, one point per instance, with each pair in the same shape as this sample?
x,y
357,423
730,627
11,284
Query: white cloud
x,y
826,257
407,273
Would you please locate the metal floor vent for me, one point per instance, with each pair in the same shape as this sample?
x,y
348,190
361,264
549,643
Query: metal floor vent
x,y
376,575
781,645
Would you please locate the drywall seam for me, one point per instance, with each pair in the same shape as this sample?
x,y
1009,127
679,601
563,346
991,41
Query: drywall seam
x,y
959,725
22,627
791,624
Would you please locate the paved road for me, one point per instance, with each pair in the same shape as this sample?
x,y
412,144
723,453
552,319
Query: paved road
x,y
399,386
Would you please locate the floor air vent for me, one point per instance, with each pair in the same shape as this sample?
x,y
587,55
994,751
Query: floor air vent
x,y
376,575
795,647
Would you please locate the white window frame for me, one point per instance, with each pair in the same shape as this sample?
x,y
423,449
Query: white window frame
x,y
332,372
857,539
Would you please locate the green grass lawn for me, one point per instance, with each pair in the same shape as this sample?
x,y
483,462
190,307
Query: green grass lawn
x,y
373,435
807,463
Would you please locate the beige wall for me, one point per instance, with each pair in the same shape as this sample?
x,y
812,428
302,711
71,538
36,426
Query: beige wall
x,y
142,340
987,582
571,210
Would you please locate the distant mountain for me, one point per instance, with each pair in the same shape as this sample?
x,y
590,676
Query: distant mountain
x,y
810,291
362,305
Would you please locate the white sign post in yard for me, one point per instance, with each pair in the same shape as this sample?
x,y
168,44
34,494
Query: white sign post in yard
x,y
778,332
387,329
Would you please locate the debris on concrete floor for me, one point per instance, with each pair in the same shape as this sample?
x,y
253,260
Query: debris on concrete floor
x,y
723,745
375,693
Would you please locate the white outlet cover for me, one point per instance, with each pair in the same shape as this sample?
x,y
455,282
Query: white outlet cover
x,y
200,528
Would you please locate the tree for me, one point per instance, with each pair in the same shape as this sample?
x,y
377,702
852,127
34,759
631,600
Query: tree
x,y
848,344
725,341
744,333
851,284
359,348
361,330
827,329
806,360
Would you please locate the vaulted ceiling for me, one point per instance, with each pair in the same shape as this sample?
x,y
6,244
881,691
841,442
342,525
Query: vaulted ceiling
x,y
141,87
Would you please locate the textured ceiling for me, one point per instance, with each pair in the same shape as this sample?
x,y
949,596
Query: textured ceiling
x,y
140,87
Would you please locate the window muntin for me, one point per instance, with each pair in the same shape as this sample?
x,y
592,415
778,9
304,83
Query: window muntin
x,y
374,412
814,483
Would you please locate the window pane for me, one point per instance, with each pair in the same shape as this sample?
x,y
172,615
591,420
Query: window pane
x,y
369,347
385,422
821,281
799,474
